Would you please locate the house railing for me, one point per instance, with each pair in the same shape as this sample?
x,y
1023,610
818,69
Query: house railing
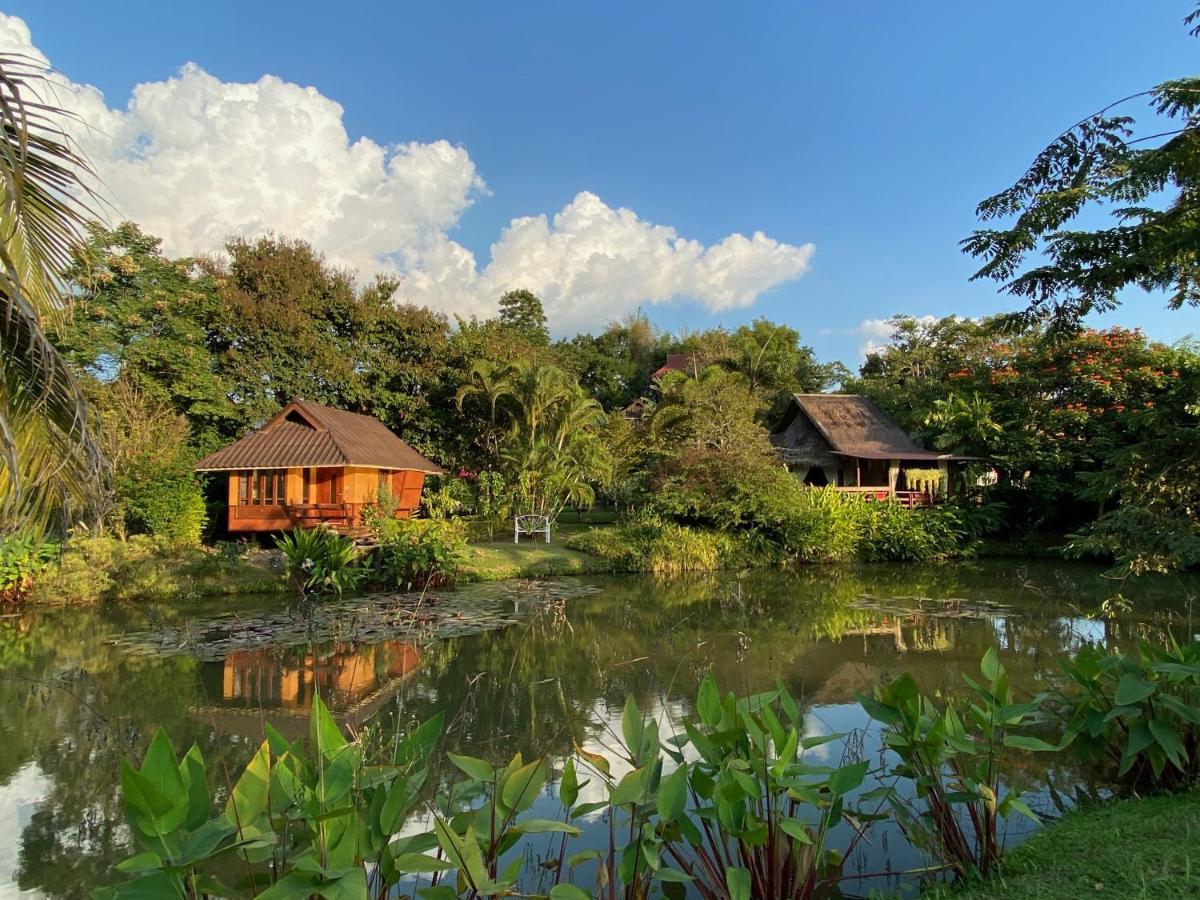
x,y
907,499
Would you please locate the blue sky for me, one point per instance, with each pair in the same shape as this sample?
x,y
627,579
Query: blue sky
x,y
870,133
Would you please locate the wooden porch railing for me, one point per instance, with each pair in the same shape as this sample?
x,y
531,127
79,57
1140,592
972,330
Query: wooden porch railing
x,y
907,499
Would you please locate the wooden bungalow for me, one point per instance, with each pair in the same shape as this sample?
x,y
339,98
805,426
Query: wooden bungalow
x,y
847,441
312,465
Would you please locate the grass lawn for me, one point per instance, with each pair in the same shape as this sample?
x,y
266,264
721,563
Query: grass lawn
x,y
498,560
1131,849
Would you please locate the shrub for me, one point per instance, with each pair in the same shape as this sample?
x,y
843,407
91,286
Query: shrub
x,y
1136,716
23,557
417,554
646,543
822,525
911,535
164,501
319,560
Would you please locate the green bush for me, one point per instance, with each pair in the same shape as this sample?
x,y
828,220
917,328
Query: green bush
x,y
319,561
164,501
646,543
912,535
821,524
23,557
416,554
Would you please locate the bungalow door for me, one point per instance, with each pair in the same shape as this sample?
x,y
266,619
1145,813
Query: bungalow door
x,y
329,485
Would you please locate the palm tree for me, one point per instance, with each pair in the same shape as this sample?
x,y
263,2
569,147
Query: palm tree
x,y
50,463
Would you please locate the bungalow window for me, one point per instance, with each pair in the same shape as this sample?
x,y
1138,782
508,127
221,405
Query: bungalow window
x,y
262,487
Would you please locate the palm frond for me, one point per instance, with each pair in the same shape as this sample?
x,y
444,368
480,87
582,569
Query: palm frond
x,y
50,463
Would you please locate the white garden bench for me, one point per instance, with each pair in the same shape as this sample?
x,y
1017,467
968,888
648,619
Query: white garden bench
x,y
530,524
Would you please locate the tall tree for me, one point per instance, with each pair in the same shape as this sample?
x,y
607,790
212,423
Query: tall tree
x,y
149,320
50,462
1147,180
521,311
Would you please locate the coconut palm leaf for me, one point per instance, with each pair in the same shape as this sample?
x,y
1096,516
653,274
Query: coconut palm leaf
x,y
50,463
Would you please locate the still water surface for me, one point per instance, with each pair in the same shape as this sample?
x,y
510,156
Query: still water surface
x,y
526,668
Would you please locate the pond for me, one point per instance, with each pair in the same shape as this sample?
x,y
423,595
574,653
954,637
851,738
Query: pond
x,y
526,667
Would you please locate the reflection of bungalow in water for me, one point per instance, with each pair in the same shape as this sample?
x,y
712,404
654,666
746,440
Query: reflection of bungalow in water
x,y
313,464
354,681
847,441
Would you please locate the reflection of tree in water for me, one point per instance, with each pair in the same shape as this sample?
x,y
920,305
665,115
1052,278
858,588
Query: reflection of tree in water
x,y
74,705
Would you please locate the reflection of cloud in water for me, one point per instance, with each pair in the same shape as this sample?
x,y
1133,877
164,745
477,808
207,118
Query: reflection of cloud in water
x,y
18,802
1078,631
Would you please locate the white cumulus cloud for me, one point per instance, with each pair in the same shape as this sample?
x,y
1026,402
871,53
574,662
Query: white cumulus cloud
x,y
194,159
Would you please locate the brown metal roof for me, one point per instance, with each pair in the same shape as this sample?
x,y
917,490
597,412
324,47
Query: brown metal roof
x,y
855,426
308,434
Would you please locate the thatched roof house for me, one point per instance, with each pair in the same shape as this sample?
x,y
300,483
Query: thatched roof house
x,y
846,440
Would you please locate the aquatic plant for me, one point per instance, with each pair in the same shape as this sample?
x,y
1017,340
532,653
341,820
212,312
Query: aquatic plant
x,y
1134,715
951,755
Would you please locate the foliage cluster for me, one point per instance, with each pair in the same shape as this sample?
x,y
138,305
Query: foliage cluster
x,y
416,554
647,543
740,802
1092,432
319,560
24,555
94,566
1135,716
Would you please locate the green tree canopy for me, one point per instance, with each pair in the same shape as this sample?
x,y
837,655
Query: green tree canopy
x,y
1147,179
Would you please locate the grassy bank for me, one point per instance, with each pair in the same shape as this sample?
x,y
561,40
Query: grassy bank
x,y
104,568
498,560
1147,848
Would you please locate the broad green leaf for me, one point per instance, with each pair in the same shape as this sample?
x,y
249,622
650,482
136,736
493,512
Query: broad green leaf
x,y
463,851
1132,689
249,798
421,863
545,826
568,892
672,795
797,831
1168,739
568,784
479,769
420,743
786,754
737,881
708,702
523,786
630,789
632,725
293,886
1026,742
666,873
323,729
990,666
847,778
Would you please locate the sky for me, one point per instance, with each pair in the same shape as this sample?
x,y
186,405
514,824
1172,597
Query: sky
x,y
814,163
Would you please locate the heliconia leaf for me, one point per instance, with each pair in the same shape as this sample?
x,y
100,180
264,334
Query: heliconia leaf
x,y
568,784
1132,689
990,666
568,892
672,795
479,769
708,702
600,762
847,778
324,733
737,881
